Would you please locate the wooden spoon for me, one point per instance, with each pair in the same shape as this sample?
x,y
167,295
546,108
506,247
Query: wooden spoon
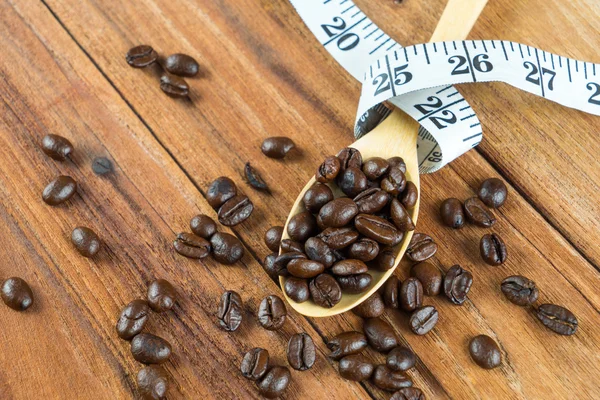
x,y
396,136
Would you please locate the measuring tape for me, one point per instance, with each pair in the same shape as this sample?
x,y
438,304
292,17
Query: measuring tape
x,y
418,79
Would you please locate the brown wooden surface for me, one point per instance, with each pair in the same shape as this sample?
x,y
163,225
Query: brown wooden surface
x,y
62,70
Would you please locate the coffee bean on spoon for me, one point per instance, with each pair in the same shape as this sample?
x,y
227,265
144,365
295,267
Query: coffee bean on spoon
x,y
493,192
153,383
397,162
230,312
354,284
141,56
282,260
302,226
150,349
349,267
452,214
219,191
272,313
376,167
378,229
191,246
394,182
492,249
457,284
16,294
352,181
558,319
161,295
85,241
235,210
301,353
338,238
337,213
181,65
288,245
519,290
204,226
316,249
255,364
273,237
372,307
390,380
174,86
350,158
304,268
316,197
254,178
364,249
328,170
423,319
410,195
296,289
277,146
133,318
325,291
227,249
477,213
57,147
372,200
421,247
59,190
400,216
346,343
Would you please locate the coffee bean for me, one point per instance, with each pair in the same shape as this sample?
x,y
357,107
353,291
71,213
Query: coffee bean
x,y
235,210
316,197
423,319
272,313
401,359
296,289
349,267
380,335
101,166
386,259
254,178
303,268
288,245
430,277
203,226
283,260
269,265
191,246
375,168
85,241
557,318
174,86
493,192
410,195
59,190
346,343
520,290
485,352
451,211
231,311
477,213
354,284
273,237
371,200
338,238
57,147
397,162
352,181
355,368
386,379
411,294
457,284
275,382
390,292
182,65
372,307
492,249
421,247
409,393
364,249
16,294
302,226
219,191
316,249
277,146
133,318
328,170
227,249
394,182
150,349
350,158
141,56
255,364
161,295
337,213
400,216
153,383
301,353
325,291
378,229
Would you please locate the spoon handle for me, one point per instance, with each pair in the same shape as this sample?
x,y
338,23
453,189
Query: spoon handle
x,y
458,18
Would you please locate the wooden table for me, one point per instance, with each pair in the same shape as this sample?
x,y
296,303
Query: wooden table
x,y
62,70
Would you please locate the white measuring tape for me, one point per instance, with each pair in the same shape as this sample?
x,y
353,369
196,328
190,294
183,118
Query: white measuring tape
x,y
418,79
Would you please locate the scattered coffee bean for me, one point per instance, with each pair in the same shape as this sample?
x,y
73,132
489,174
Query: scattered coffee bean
x,y
301,353
411,294
421,247
303,268
346,343
394,182
254,178
101,166
337,213
452,213
141,56
231,311
372,200
397,162
227,249
520,290
219,191
57,147
375,168
273,237
181,65
409,393
390,292
430,277
329,170
485,352
269,265
557,318
325,291
457,284
316,197
255,364
386,259
378,229
235,210
352,181
17,294
59,190
191,246
277,146
338,238
493,192
355,284
174,86
410,195
296,289
364,250
302,226
350,158
423,319
203,226
372,307
477,213
492,249
380,335
272,313
85,241
355,368
400,216
288,245
274,382
133,318
316,249
387,379
153,383
401,359
161,295
150,349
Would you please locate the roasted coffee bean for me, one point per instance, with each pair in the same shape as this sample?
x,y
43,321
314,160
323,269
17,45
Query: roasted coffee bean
x,y
302,226
101,166
235,210
409,393
355,368
57,147
380,335
390,292
430,277
352,181
411,294
174,86
372,307
316,197
397,162
203,226
329,170
346,343
354,284
337,213
387,379
254,178
493,192
303,268
141,56
191,246
477,213
153,383
394,182
16,294
255,364
400,216
349,267
59,190
492,249
161,295
485,352
273,237
269,265
272,313
219,191
350,158
386,259
150,349
338,238
288,245
423,319
296,289
316,249
372,200
182,65
274,382
364,249
410,195
457,284
227,249
421,247
231,311
283,259
325,291
133,318
557,318
301,353
451,211
401,359
520,290
375,168
378,229
85,241
277,146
